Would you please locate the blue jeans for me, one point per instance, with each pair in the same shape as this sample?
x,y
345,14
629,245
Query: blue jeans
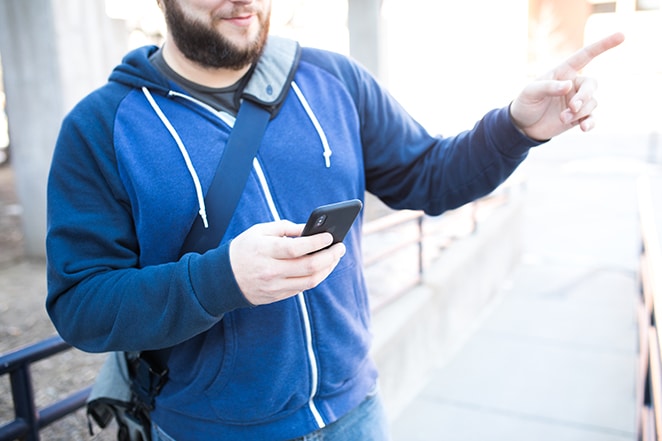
x,y
367,422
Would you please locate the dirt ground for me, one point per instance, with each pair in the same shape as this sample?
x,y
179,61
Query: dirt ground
x,y
23,321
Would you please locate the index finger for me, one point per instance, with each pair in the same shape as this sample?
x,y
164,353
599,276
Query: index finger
x,y
582,57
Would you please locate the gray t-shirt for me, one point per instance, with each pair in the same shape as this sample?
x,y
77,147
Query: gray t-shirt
x,y
222,98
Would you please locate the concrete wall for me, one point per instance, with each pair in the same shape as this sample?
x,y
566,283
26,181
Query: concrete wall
x,y
366,34
53,53
423,329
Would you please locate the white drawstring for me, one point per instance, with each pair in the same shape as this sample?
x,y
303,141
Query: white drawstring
x,y
320,132
182,149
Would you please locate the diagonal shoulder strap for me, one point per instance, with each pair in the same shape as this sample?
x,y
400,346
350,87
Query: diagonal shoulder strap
x,y
262,97
230,178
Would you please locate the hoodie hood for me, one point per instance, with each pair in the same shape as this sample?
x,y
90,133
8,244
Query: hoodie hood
x,y
267,84
137,71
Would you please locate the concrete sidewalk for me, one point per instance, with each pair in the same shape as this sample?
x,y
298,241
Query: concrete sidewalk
x,y
555,358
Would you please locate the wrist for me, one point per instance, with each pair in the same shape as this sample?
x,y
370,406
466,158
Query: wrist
x,y
519,127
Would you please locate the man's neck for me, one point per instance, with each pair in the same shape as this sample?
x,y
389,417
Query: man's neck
x,y
210,77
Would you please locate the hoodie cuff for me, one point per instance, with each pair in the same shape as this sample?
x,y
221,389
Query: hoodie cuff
x,y
214,283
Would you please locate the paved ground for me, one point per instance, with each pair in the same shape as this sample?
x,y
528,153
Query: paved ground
x,y
555,359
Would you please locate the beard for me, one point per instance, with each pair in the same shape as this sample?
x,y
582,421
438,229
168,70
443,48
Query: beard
x,y
204,45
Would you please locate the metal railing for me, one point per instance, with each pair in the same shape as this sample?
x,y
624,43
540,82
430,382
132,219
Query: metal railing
x,y
29,420
392,222
649,315
439,233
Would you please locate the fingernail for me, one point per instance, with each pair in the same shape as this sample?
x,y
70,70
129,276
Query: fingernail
x,y
587,126
564,85
577,105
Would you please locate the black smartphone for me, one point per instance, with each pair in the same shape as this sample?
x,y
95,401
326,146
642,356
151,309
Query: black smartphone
x,y
336,219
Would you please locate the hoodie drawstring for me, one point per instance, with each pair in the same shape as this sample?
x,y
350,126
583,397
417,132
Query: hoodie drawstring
x,y
320,132
184,152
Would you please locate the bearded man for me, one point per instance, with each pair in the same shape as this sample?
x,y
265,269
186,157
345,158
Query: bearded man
x,y
266,335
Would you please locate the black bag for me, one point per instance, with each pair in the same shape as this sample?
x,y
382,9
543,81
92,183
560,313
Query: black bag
x,y
112,397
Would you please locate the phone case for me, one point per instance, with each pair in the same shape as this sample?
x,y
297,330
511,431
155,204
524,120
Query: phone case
x,y
335,218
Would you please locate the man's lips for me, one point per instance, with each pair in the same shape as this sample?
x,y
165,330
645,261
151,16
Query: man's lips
x,y
241,20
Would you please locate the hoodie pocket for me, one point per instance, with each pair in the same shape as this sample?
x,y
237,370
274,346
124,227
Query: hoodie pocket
x,y
270,376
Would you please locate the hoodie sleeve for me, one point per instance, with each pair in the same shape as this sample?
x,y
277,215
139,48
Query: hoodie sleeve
x,y
98,297
408,168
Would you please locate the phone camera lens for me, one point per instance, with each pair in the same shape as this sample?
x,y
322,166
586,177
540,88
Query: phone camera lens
x,y
320,220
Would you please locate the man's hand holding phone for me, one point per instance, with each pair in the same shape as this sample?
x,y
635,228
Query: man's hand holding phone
x,y
277,260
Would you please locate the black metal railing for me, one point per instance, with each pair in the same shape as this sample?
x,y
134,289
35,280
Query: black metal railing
x,y
29,420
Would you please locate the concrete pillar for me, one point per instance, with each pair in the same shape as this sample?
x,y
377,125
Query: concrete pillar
x,y
365,34
53,53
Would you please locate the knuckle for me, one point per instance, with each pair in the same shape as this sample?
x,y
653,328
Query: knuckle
x,y
289,249
311,266
269,274
310,282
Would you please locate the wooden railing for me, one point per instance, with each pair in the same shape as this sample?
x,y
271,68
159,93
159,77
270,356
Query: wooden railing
x,y
649,314
400,244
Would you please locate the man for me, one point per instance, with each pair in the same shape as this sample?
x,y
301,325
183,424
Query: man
x,y
267,333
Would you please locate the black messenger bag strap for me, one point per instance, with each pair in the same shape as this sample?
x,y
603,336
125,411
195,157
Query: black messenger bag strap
x,y
263,95
230,179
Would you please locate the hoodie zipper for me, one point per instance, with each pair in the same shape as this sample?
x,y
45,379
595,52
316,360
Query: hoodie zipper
x,y
312,358
230,120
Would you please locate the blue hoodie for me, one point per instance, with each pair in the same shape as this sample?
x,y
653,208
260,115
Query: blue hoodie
x,y
131,164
